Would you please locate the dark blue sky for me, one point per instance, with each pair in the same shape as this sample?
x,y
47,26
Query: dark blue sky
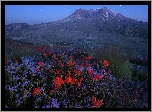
x,y
36,14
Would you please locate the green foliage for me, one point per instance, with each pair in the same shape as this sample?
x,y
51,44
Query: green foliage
x,y
119,64
139,76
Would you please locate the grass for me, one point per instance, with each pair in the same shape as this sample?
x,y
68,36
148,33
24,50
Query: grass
x,y
118,63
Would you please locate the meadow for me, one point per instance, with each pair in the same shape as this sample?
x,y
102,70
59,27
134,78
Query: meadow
x,y
39,76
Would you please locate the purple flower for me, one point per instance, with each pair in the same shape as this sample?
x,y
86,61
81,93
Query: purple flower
x,y
6,106
39,98
14,88
43,106
33,69
48,105
17,77
21,65
17,95
78,106
29,94
64,102
7,87
25,83
55,104
84,87
88,105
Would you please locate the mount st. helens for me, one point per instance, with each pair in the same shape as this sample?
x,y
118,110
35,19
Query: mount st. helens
x,y
94,28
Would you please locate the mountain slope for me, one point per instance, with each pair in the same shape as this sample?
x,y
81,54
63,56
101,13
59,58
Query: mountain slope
x,y
96,28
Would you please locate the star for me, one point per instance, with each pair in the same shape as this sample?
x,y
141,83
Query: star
x,y
120,5
41,10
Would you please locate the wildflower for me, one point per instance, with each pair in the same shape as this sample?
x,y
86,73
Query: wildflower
x,y
37,69
61,64
89,57
16,61
36,91
82,64
77,72
70,63
41,50
55,103
51,91
58,82
98,103
64,102
71,57
79,83
75,81
90,71
106,63
44,55
88,65
40,63
56,59
6,106
69,72
58,72
78,106
97,77
68,79
49,53
6,61
54,55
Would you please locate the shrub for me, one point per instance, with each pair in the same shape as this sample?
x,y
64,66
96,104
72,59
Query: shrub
x,y
118,63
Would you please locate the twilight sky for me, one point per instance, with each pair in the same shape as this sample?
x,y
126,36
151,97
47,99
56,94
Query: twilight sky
x,y
36,14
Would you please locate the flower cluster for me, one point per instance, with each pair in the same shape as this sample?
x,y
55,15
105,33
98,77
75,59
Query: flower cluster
x,y
60,80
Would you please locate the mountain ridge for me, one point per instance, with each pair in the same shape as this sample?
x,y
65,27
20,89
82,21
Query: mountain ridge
x,y
88,28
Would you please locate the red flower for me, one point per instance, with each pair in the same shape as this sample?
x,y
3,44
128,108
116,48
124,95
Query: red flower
x,y
68,79
54,55
88,65
58,72
36,69
40,63
97,77
75,81
71,57
77,72
82,65
51,91
89,57
69,72
61,64
79,83
44,55
56,59
36,91
49,53
106,63
90,71
98,103
6,61
16,61
58,82
70,63
41,50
